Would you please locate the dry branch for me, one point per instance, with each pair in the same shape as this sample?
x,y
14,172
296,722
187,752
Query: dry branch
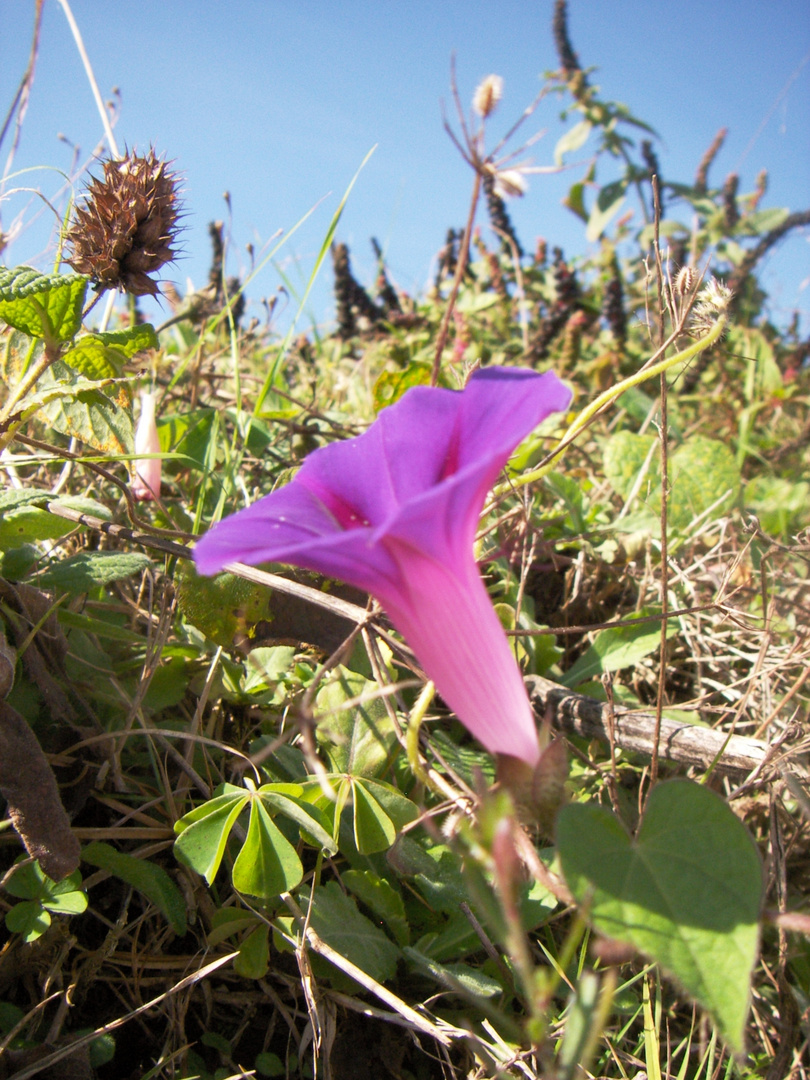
x,y
687,744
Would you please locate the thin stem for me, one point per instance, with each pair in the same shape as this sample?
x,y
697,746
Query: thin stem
x,y
460,268
662,657
26,383
609,396
88,69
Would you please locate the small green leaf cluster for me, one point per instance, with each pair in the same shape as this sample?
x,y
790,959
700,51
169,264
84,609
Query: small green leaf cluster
x,y
40,898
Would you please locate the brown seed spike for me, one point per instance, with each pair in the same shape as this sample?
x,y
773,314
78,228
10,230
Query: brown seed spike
x,y
126,227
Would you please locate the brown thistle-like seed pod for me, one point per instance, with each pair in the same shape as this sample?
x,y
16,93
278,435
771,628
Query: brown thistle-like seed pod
x,y
125,229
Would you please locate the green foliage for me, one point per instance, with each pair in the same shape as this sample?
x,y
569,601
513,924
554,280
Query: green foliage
x,y
82,573
336,919
267,863
149,685
146,877
41,898
687,892
615,649
360,740
45,306
223,607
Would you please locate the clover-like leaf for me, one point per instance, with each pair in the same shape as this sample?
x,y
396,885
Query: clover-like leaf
x,y
373,828
204,831
268,863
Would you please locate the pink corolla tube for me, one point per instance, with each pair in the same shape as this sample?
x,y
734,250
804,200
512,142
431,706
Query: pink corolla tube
x,y
146,478
395,512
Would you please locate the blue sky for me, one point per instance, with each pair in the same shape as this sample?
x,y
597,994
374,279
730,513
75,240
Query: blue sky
x,y
279,101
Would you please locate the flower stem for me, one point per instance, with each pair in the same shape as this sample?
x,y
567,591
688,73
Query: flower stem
x,y
461,266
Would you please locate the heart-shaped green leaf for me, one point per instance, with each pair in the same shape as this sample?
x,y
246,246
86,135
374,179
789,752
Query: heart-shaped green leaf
x,y
686,892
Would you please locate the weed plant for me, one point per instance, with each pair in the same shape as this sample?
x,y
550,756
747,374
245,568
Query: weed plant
x,y
243,836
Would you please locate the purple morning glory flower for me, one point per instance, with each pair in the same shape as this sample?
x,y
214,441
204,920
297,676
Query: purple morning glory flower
x,y
395,512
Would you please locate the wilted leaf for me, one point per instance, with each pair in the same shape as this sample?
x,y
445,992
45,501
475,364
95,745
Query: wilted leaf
x,y
34,806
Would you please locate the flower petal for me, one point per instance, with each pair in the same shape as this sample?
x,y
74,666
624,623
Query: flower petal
x,y
447,618
291,525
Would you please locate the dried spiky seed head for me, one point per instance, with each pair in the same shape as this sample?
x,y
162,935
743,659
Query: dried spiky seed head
x,y
125,228
487,95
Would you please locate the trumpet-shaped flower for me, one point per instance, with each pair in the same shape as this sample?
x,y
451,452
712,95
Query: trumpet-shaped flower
x,y
395,512
146,478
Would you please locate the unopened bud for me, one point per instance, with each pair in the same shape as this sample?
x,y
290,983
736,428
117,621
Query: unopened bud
x,y
146,479
487,95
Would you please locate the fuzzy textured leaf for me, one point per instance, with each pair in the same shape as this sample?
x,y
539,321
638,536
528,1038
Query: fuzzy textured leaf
x,y
80,573
335,918
358,741
381,898
42,305
96,411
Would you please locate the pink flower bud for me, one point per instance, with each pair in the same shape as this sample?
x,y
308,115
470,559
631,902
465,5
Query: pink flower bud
x,y
146,477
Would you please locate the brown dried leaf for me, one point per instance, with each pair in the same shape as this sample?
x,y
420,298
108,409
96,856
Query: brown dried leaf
x,y
35,808
8,662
